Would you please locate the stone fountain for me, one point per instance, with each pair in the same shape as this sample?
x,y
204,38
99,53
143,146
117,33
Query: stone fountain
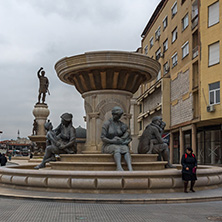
x,y
105,79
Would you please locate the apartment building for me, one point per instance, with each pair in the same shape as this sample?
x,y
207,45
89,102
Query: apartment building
x,y
185,36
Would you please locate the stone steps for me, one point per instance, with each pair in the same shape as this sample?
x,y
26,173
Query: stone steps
x,y
106,166
105,158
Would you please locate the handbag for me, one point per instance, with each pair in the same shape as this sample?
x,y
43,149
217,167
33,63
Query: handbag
x,y
194,170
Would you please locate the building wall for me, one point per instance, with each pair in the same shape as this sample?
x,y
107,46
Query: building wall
x,y
181,99
211,74
152,101
184,65
185,88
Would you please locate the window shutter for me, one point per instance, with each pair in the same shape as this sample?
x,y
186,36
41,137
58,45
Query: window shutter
x,y
213,16
214,53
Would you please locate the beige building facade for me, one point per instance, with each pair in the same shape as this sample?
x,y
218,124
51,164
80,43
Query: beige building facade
x,y
185,37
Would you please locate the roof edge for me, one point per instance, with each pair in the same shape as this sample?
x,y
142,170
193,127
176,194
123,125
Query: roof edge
x,y
153,17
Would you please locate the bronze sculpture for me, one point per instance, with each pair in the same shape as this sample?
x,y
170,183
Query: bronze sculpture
x,y
116,138
43,85
151,140
35,128
61,140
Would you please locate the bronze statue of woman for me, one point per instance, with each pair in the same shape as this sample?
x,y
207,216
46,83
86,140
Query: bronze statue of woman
x,y
116,138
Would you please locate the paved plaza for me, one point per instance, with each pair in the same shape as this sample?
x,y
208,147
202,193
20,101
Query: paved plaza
x,y
34,205
30,211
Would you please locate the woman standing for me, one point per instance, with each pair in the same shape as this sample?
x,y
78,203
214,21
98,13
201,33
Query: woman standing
x,y
189,166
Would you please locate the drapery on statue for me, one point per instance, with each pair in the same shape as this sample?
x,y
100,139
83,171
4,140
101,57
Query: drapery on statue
x,y
35,128
43,85
151,140
116,138
59,141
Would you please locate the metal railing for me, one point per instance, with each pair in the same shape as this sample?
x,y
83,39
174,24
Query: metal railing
x,y
194,13
195,52
194,23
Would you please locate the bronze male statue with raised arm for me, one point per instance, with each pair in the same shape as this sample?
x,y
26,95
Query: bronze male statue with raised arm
x,y
43,85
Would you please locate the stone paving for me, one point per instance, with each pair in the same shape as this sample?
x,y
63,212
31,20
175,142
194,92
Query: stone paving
x,y
14,210
30,206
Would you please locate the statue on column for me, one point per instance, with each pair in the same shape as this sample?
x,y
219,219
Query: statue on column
x,y
35,128
62,140
43,85
151,140
116,138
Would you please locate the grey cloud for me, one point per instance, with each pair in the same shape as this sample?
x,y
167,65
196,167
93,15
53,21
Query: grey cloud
x,y
96,10
38,33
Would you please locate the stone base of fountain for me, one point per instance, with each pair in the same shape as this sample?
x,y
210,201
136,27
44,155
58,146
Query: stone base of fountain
x,y
105,162
84,174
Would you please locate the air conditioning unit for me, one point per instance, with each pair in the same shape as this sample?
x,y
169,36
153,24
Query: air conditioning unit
x,y
210,108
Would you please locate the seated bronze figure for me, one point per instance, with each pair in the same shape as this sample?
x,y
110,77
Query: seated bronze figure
x,y
116,138
59,141
151,140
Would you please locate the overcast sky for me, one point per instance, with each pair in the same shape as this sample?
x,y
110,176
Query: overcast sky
x,y
35,33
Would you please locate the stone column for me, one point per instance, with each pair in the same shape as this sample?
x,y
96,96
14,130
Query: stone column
x,y
194,139
41,113
98,106
181,143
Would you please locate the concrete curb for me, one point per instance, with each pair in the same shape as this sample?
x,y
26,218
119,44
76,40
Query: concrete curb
x,y
110,200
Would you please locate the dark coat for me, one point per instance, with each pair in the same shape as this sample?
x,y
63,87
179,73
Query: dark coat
x,y
3,160
189,161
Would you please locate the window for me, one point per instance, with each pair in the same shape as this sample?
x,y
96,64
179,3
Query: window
x,y
174,60
140,108
165,45
185,21
151,42
166,68
174,9
214,53
157,34
174,35
146,50
182,1
140,125
214,93
165,22
213,14
158,53
185,49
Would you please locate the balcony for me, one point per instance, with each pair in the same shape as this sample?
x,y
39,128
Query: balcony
x,y
194,13
194,23
195,52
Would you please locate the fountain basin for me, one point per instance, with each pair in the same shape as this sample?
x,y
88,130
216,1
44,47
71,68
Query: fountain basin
x,y
107,70
156,181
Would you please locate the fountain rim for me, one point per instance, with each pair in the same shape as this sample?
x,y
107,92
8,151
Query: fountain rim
x,y
107,59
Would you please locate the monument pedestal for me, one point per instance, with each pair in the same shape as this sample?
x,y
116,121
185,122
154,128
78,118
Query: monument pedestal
x,y
41,113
